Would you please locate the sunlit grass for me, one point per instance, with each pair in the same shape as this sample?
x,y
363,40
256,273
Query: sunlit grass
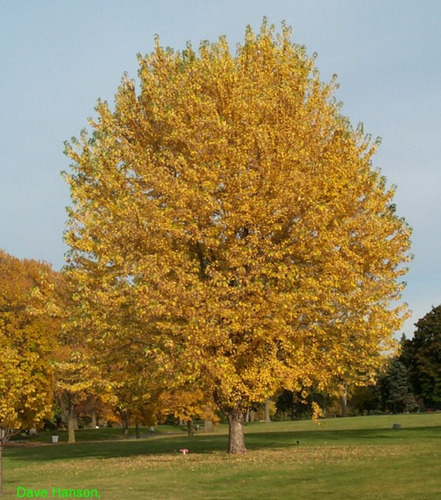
x,y
356,458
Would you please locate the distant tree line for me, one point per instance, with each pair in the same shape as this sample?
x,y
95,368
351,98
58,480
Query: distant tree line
x,y
410,381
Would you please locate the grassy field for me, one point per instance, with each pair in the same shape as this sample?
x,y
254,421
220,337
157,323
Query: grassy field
x,y
351,458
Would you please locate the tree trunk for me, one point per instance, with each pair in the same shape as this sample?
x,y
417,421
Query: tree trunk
x,y
236,438
208,425
344,402
70,421
125,424
137,430
249,415
93,417
190,429
5,434
1,448
267,411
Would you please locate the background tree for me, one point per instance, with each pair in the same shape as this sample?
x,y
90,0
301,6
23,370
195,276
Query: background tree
x,y
124,363
28,335
297,406
186,405
136,398
394,390
234,209
77,378
364,399
27,340
422,357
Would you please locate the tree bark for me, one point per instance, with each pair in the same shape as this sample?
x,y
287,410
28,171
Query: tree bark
x,y
344,402
125,424
208,426
236,438
1,455
93,418
267,411
70,421
190,428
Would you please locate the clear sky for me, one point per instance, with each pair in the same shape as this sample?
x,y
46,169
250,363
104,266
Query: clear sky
x,y
58,57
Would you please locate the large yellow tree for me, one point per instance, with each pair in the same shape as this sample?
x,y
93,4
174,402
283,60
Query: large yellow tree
x,y
235,212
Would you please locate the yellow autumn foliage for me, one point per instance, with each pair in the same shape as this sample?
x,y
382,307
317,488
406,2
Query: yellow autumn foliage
x,y
27,342
230,208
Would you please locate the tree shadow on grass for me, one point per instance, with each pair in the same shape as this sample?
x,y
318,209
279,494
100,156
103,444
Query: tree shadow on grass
x,y
117,449
218,443
340,437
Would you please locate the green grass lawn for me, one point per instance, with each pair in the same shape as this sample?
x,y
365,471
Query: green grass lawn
x,y
351,458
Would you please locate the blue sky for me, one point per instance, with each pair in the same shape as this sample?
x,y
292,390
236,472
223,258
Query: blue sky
x,y
58,57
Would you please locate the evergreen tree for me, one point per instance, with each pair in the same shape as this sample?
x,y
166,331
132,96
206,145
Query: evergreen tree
x,y
422,357
394,389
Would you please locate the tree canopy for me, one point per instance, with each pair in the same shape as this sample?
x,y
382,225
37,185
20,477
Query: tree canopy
x,y
27,341
422,356
226,218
